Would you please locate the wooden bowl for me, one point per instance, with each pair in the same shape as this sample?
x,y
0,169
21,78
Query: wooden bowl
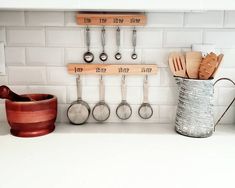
x,y
33,118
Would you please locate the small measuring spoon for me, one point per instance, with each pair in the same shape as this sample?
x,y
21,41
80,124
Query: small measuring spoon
x,y
103,55
88,56
118,55
134,54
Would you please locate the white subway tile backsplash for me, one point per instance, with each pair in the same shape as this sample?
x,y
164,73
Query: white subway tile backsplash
x,y
67,37
15,56
25,36
228,118
3,117
27,75
2,34
146,38
38,18
165,19
182,38
229,21
221,38
44,56
12,18
208,19
60,76
39,45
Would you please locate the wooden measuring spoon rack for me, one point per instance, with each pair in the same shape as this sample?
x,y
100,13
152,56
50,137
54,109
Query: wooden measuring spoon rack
x,y
111,19
113,69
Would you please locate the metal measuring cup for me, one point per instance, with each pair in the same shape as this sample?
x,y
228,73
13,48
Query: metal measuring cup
x,y
145,110
103,55
79,111
101,110
88,56
124,110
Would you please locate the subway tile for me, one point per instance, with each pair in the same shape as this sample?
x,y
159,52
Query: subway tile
x,y
66,37
3,79
167,113
157,56
208,19
12,18
74,55
45,56
44,18
167,78
19,89
229,58
2,34
58,91
223,38
165,19
182,38
229,21
228,118
226,95
60,76
25,36
27,75
3,117
15,56
62,113
70,18
146,38
225,73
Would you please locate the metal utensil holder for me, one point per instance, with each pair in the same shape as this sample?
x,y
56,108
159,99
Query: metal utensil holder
x,y
194,116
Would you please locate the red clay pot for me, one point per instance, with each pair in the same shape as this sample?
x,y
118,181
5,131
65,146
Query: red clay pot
x,y
33,118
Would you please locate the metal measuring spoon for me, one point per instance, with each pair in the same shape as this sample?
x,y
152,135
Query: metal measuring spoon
x,y
134,54
124,110
103,55
145,110
118,55
88,56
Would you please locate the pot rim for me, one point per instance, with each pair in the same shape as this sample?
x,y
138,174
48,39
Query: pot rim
x,y
32,102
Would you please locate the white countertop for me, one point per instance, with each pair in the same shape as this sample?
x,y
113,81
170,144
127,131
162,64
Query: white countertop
x,y
117,156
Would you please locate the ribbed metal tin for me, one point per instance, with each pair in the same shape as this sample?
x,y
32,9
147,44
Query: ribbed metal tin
x,y
194,115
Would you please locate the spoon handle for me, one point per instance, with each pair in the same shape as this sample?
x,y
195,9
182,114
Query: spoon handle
x,y
6,93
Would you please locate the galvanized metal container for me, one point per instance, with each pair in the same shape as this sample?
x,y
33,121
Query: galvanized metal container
x,y
194,116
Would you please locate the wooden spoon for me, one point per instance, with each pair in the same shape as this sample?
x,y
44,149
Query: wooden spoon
x,y
6,93
193,61
219,60
177,64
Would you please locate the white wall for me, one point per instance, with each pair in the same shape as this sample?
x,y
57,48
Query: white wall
x,y
40,44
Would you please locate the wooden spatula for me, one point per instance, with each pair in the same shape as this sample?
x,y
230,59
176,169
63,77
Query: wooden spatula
x,y
177,64
208,66
193,61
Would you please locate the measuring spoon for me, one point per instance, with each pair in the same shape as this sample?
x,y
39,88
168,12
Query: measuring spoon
x,y
103,55
88,56
134,54
118,55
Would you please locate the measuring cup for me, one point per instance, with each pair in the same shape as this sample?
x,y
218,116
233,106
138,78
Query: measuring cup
x,y
194,116
79,111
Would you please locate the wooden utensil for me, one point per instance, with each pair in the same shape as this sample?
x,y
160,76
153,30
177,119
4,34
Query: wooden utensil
x,y
208,66
219,60
177,64
193,61
6,93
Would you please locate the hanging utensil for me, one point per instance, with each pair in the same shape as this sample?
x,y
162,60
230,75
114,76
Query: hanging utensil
x,y
88,56
145,110
124,110
177,64
101,110
118,55
79,111
134,54
103,55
